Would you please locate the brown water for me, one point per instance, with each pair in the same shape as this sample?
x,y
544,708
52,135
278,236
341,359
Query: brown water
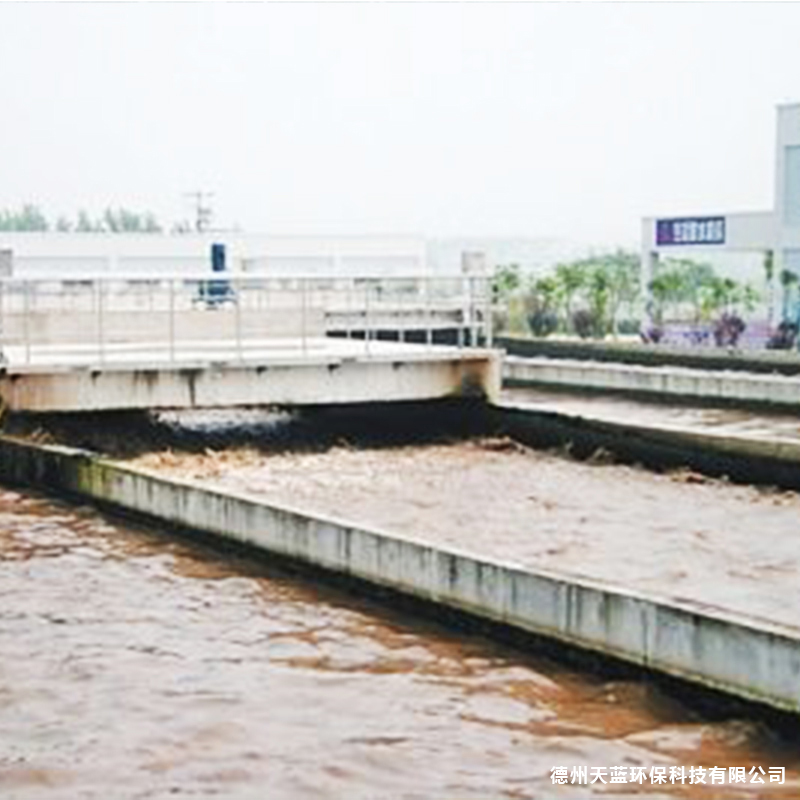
x,y
136,666
679,536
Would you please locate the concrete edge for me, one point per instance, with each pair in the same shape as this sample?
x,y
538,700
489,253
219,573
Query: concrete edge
x,y
735,389
232,361
745,447
660,370
756,661
756,361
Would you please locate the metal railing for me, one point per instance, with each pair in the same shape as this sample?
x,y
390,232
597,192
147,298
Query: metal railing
x,y
196,317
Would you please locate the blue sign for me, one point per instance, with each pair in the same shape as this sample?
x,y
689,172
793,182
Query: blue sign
x,y
690,230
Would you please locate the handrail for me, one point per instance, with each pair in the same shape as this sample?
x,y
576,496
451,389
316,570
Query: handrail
x,y
35,319
205,275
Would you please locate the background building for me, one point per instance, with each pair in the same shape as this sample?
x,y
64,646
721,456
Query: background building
x,y
146,255
774,233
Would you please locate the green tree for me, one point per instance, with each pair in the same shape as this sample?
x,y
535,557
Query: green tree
x,y
123,220
623,272
718,294
697,277
601,285
28,217
543,292
506,282
85,224
598,285
599,292
571,278
683,282
506,285
541,305
668,290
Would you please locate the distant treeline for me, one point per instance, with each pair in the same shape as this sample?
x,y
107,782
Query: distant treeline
x,y
30,217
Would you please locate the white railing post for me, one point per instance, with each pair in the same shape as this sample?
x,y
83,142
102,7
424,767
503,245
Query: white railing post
x,y
100,321
487,289
367,317
26,319
172,320
462,312
402,308
237,308
303,313
474,321
349,289
428,312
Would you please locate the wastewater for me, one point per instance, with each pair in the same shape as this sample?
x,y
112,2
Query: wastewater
x,y
137,663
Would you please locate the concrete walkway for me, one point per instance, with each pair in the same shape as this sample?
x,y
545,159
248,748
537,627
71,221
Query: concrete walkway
x,y
190,353
226,373
783,426
665,382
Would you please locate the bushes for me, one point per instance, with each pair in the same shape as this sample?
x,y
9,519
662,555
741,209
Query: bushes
x,y
588,324
629,327
784,337
728,330
599,286
543,322
589,296
653,335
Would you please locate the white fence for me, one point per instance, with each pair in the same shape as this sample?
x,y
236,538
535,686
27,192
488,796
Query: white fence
x,y
103,316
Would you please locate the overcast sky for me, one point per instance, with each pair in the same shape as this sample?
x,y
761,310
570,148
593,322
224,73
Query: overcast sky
x,y
568,120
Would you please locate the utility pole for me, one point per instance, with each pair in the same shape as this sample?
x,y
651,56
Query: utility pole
x,y
202,209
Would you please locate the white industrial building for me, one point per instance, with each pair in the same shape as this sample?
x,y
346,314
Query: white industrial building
x,y
775,232
147,255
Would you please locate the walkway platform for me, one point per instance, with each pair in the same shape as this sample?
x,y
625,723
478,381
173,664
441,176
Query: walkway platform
x,y
748,447
666,382
256,372
633,351
778,427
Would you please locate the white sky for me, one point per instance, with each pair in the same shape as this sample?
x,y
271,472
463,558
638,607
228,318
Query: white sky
x,y
448,119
